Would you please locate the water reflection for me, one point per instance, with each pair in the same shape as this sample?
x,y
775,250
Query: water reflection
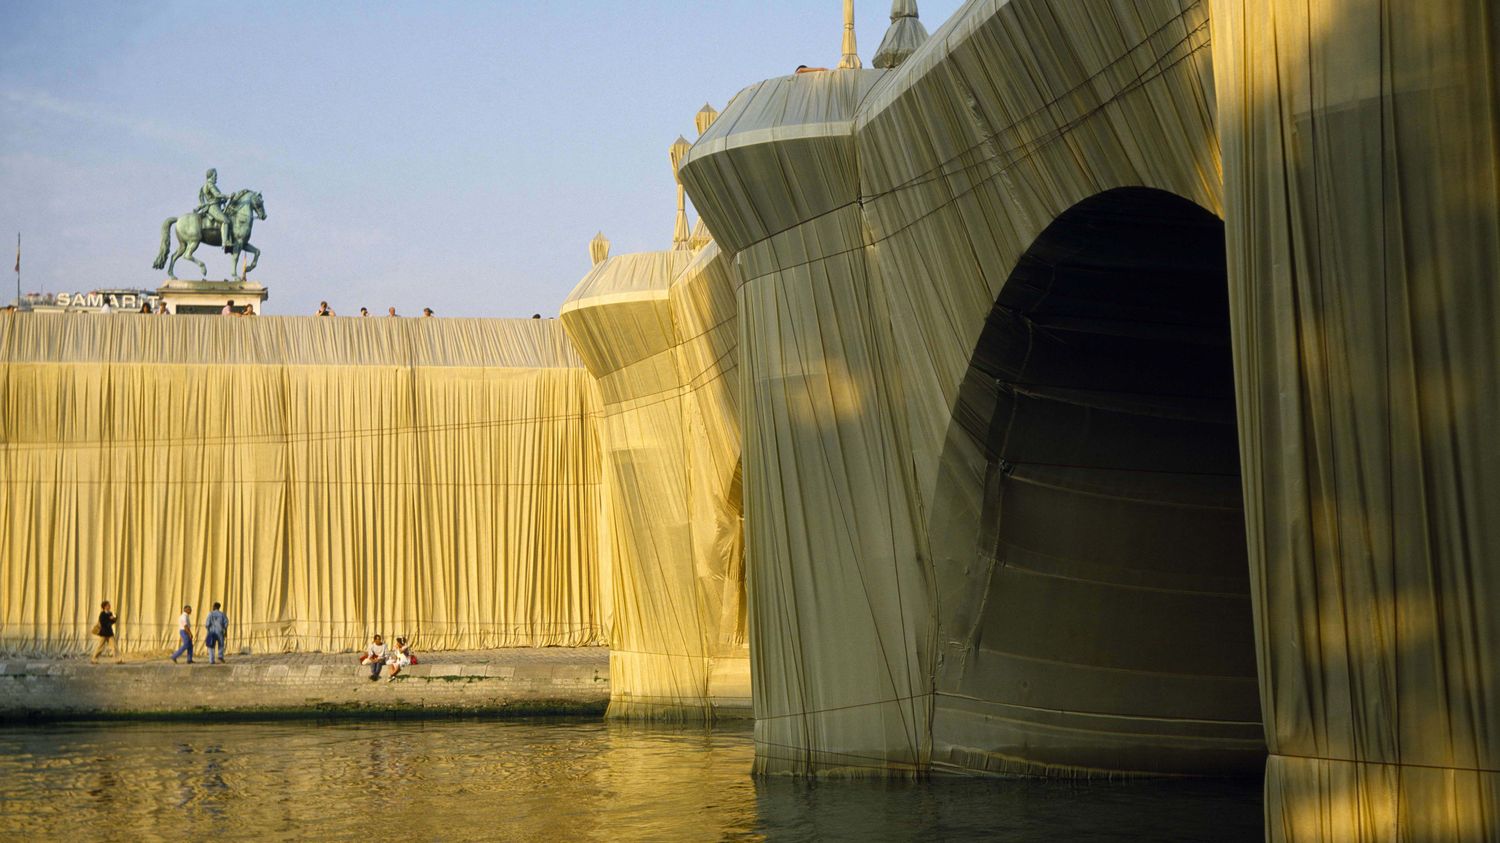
x,y
535,780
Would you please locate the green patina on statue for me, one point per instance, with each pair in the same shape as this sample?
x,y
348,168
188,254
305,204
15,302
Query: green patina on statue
x,y
218,220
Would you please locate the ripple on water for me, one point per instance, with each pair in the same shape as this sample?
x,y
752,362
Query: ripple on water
x,y
535,780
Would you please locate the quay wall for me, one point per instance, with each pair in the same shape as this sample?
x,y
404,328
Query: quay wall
x,y
523,682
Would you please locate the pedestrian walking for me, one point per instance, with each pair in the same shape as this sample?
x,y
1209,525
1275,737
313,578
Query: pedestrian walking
x,y
217,624
105,629
185,634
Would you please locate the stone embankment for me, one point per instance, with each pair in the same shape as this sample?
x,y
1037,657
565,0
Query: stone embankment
x,y
479,682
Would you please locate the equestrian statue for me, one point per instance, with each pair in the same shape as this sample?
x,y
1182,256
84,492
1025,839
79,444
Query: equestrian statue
x,y
218,220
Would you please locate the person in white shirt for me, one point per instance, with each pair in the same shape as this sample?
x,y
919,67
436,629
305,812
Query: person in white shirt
x,y
374,657
398,657
185,633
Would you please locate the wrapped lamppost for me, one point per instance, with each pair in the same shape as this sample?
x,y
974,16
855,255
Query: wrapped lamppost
x,y
700,236
598,248
705,118
903,38
850,59
679,151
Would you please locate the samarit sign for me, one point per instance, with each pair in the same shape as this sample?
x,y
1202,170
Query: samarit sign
x,y
99,300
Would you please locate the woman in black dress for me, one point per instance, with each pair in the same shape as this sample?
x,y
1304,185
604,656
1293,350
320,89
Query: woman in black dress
x,y
105,629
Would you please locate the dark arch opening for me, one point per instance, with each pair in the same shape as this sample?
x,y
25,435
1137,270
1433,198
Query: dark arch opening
x,y
1088,531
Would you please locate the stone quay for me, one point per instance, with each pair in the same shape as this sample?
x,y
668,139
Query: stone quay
x,y
508,682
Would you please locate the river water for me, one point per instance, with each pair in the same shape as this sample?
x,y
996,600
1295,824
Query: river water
x,y
547,780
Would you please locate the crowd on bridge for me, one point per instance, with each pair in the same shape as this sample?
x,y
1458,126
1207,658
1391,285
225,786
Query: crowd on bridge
x,y
231,309
364,312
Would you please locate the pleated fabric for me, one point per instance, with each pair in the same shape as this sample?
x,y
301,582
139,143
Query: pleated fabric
x,y
903,38
325,479
841,631
1362,175
658,332
902,289
876,217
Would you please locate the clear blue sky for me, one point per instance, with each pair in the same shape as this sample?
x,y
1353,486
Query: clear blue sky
x,y
494,138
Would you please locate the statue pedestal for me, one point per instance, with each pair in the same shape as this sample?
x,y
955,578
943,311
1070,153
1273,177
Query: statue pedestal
x,y
209,297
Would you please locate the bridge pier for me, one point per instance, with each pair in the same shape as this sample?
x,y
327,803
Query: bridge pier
x,y
840,618
1361,212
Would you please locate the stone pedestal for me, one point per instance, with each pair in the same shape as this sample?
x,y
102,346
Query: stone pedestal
x,y
209,297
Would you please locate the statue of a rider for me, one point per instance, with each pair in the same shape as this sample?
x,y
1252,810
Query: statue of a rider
x,y
211,204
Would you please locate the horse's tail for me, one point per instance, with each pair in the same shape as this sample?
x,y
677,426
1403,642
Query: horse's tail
x,y
166,243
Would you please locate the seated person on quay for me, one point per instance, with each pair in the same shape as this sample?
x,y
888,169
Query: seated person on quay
x,y
374,656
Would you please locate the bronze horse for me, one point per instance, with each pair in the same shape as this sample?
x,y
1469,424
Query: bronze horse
x,y
241,209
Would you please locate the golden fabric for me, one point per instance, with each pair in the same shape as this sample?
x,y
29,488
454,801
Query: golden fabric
x,y
325,479
1361,159
989,485
658,331
902,617
839,635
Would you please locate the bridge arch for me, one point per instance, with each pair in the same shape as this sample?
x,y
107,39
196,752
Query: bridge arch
x,y
1087,529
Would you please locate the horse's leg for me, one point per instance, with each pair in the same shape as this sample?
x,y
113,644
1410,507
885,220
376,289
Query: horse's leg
x,y
182,245
193,247
254,259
